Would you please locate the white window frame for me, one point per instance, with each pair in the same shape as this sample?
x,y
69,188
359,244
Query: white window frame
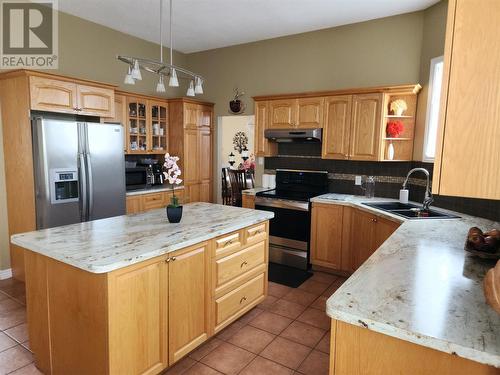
x,y
434,62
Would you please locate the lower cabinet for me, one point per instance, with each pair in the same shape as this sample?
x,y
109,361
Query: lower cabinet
x,y
248,201
343,238
150,201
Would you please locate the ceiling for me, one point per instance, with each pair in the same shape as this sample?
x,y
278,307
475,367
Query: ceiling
x,y
207,24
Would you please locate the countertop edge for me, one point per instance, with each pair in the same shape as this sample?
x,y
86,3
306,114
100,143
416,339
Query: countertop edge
x,y
131,193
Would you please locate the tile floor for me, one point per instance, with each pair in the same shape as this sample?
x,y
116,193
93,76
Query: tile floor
x,y
288,333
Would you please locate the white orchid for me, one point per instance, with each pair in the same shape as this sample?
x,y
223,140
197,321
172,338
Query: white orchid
x,y
171,171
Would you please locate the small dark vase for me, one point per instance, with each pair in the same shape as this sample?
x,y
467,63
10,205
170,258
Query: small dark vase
x,y
174,214
235,105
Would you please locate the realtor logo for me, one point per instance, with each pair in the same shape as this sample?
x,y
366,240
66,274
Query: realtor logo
x,y
29,34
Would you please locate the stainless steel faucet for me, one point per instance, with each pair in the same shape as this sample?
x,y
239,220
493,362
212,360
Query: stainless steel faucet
x,y
428,199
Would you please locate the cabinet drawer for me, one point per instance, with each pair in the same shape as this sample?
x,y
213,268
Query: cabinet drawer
x,y
151,201
229,304
227,244
238,263
256,233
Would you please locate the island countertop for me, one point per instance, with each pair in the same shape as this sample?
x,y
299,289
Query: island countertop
x,y
105,245
421,286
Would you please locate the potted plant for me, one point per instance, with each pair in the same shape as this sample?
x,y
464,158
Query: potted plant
x,y
171,171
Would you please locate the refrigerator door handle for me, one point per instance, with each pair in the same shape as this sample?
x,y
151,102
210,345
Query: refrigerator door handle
x,y
90,187
83,186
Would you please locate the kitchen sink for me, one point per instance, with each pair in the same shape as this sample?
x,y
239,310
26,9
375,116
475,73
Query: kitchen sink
x,y
410,211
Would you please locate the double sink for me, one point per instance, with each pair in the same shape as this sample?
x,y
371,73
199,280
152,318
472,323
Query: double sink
x,y
410,211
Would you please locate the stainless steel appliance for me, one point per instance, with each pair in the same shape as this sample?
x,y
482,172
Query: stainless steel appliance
x,y
294,135
291,226
157,174
79,171
136,178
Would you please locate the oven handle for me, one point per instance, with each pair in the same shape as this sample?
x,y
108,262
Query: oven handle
x,y
279,203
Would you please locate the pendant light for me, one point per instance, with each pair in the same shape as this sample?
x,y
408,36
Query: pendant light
x,y
190,90
173,81
136,71
160,86
128,78
198,88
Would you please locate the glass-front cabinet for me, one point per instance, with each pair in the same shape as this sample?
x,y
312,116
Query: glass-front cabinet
x,y
146,126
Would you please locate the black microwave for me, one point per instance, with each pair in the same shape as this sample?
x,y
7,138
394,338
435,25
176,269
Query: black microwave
x,y
136,178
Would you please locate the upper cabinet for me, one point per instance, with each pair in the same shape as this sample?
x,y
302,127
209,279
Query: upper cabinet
x,y
468,149
310,113
304,113
57,95
282,114
262,146
337,130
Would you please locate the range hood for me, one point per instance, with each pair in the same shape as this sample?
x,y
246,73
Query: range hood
x,y
294,135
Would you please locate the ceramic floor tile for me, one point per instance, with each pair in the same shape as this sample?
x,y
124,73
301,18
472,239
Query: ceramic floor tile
x,y
12,318
286,308
252,339
201,369
228,359
19,333
324,343
27,370
286,352
300,296
250,315
270,322
268,302
3,296
323,277
304,334
278,290
180,367
14,358
333,288
205,348
263,366
316,363
9,304
313,287
229,331
319,303
6,342
316,318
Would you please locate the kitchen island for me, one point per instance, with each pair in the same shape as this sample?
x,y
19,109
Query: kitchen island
x,y
134,294
417,304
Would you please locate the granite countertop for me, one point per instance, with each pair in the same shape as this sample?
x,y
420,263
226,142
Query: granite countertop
x,y
108,244
421,286
153,189
254,190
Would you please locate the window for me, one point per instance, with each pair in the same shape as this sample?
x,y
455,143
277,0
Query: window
x,y
433,99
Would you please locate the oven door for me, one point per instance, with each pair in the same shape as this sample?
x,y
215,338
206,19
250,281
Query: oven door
x,y
289,231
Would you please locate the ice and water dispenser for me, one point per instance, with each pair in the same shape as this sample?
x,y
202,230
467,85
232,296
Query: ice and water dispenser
x,y
64,186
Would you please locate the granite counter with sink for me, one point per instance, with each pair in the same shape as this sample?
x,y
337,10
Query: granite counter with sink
x,y
421,286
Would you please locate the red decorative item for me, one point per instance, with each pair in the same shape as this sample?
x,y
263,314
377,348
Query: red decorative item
x,y
395,128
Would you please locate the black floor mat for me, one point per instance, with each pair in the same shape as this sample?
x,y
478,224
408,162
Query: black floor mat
x,y
289,276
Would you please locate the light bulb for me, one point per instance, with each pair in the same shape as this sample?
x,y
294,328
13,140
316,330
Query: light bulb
x,y
136,72
160,86
198,88
190,90
173,82
128,77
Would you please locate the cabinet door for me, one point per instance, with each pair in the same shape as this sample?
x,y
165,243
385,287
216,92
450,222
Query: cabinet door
x,y
137,126
468,153
138,331
191,160
384,229
188,300
158,112
365,128
282,113
53,95
192,193
133,204
191,115
262,146
205,114
205,154
248,201
337,127
310,113
326,235
362,239
206,191
95,101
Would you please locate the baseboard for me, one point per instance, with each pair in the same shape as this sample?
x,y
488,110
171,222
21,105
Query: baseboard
x,y
6,274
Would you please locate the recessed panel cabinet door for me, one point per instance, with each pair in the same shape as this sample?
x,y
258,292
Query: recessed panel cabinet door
x,y
282,113
326,236
188,298
337,127
95,101
384,229
138,320
362,239
53,95
310,113
205,144
191,157
365,129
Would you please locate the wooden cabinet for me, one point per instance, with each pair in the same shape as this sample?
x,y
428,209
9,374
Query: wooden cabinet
x,y
191,140
248,201
365,128
343,238
262,146
188,300
150,201
282,113
310,113
467,151
159,126
337,127
296,113
48,94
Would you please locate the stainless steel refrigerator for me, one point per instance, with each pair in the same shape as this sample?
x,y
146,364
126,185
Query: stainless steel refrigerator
x,y
79,171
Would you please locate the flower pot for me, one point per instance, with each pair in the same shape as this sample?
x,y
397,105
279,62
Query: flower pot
x,y
174,214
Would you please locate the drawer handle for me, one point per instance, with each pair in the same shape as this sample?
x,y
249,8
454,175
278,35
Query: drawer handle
x,y
243,299
258,231
173,259
245,263
227,243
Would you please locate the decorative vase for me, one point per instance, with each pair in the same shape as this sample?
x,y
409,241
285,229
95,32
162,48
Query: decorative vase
x,y
390,152
174,214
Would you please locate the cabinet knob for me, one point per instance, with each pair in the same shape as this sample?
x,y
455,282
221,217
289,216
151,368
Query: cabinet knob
x,y
167,260
374,220
174,259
